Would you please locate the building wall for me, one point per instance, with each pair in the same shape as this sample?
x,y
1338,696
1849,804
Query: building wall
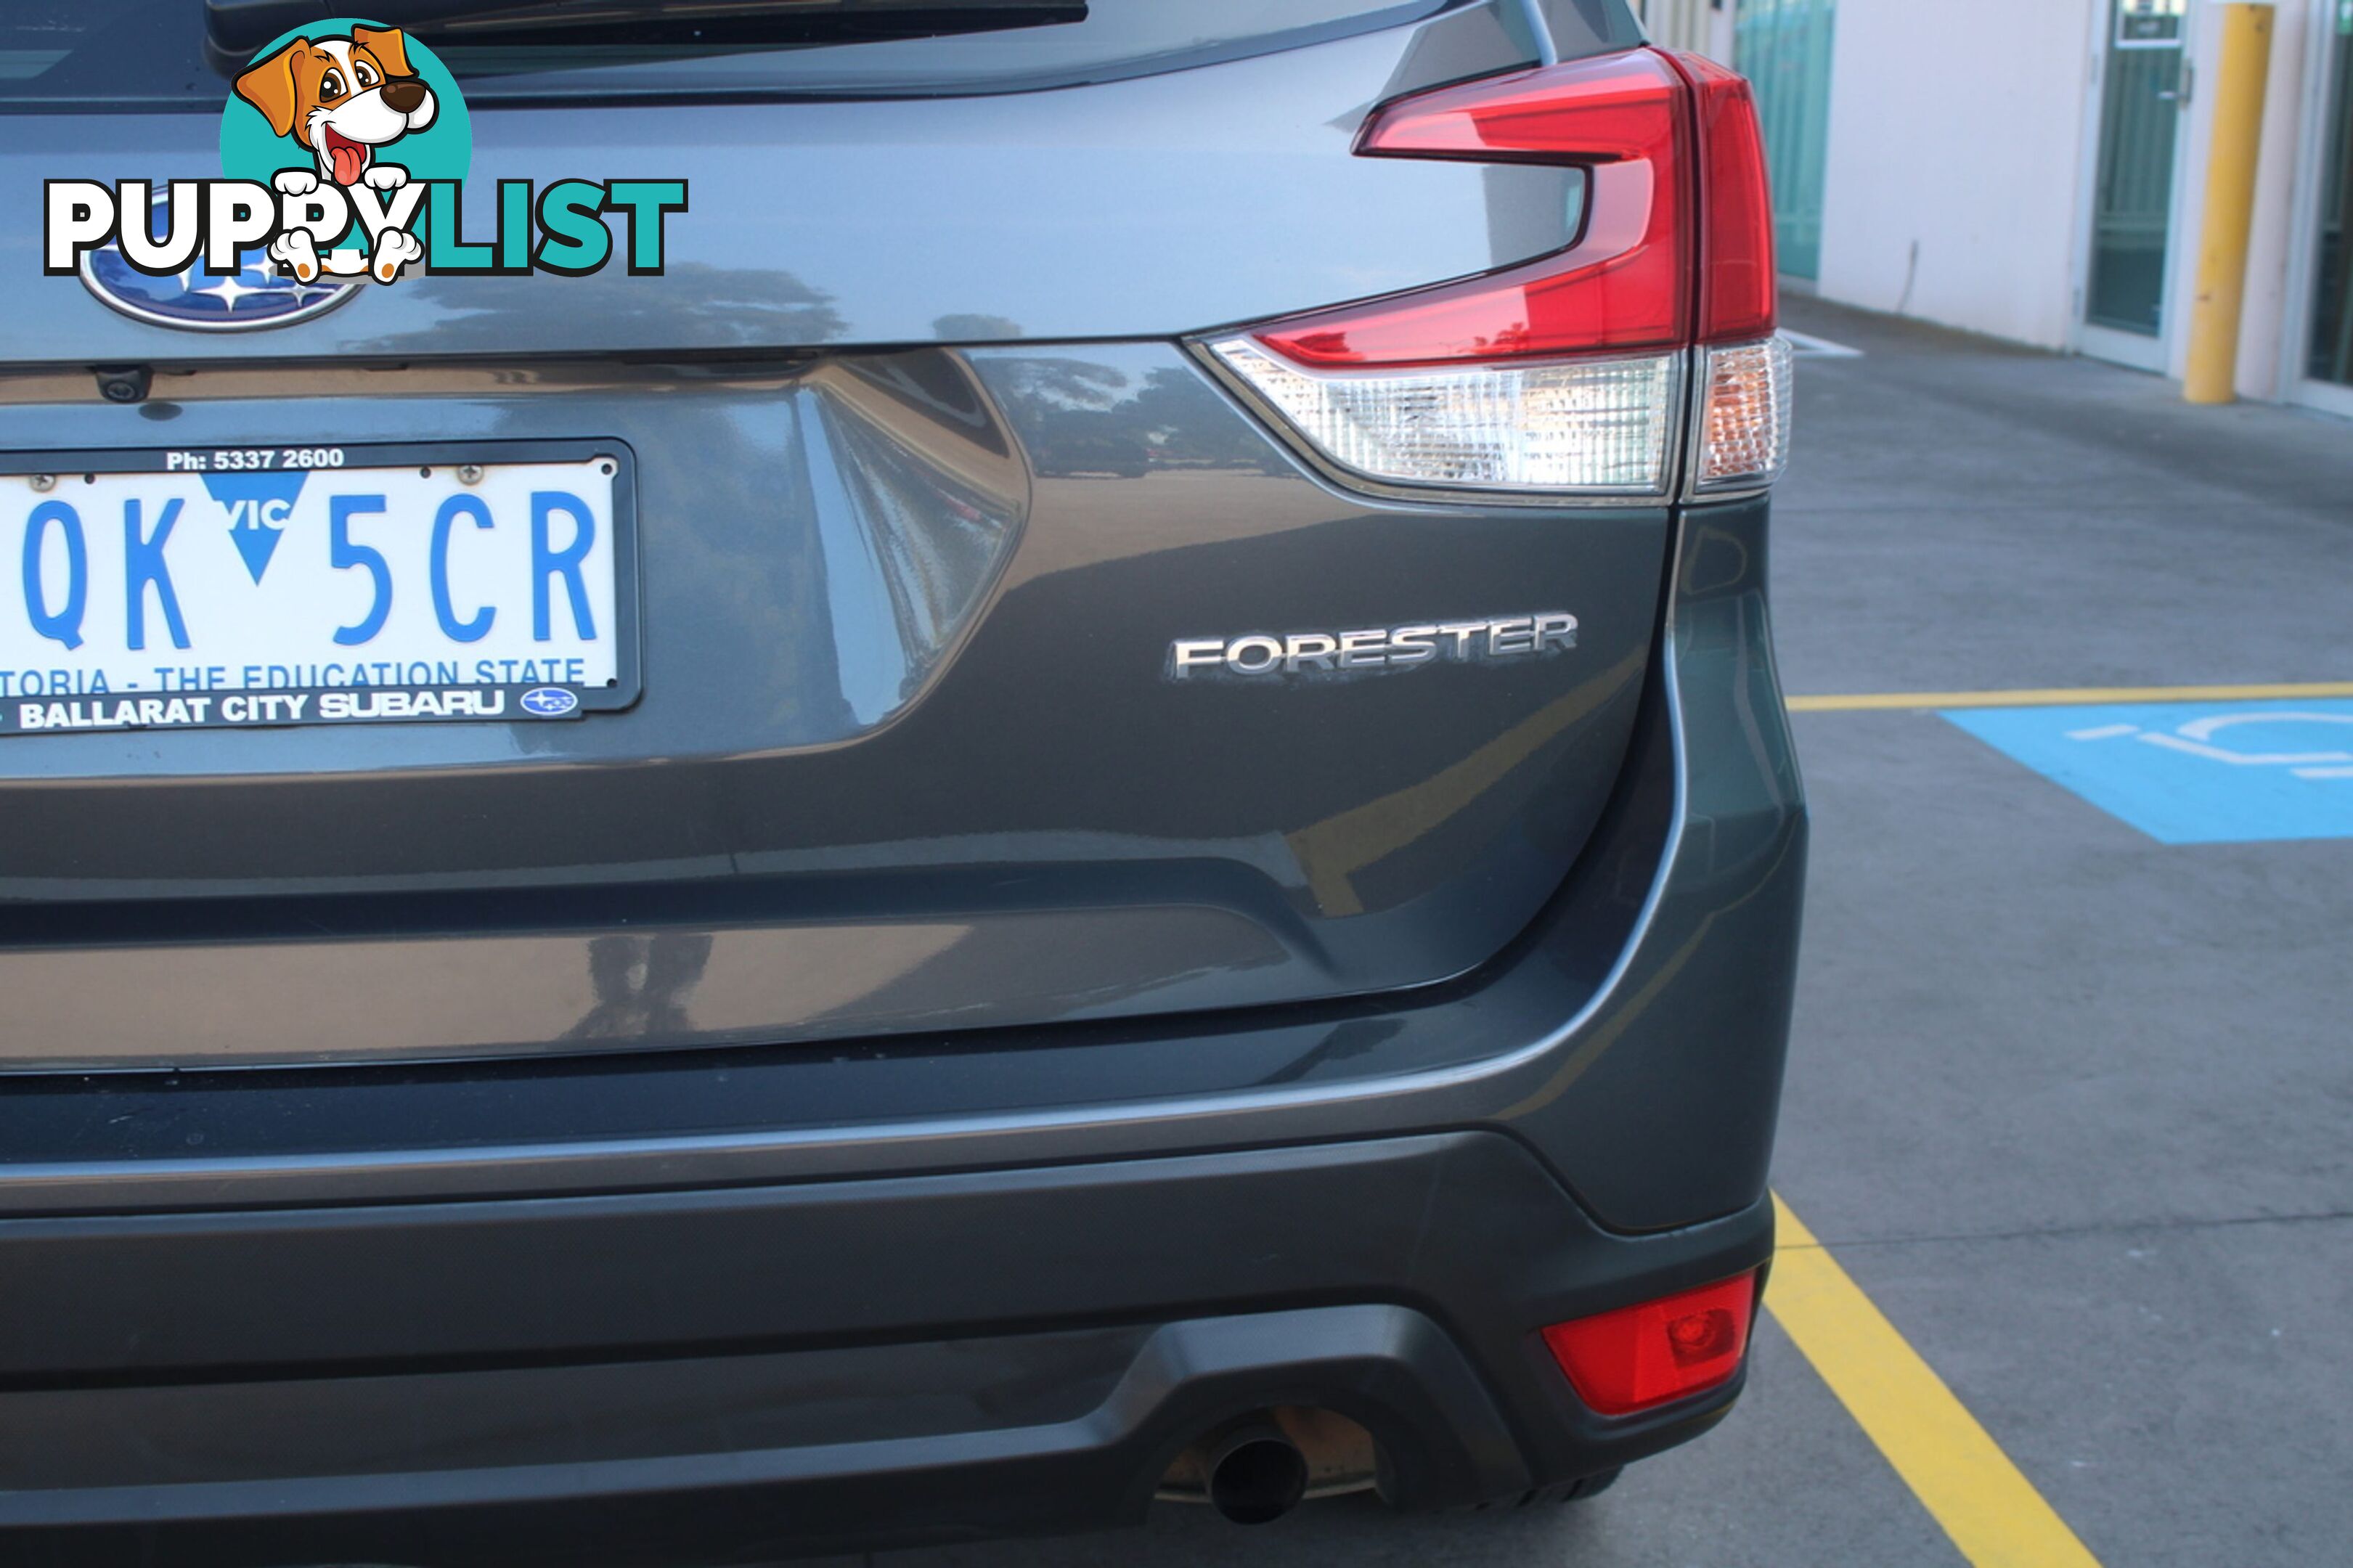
x,y
1704,26
1958,189
1955,143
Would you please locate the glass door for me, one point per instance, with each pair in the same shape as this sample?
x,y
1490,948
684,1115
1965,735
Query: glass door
x,y
1783,47
2142,91
2329,348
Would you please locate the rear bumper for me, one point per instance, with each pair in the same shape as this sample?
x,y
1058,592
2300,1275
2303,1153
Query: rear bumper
x,y
740,1304
681,1377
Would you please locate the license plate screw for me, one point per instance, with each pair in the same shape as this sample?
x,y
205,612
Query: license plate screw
x,y
44,483
469,473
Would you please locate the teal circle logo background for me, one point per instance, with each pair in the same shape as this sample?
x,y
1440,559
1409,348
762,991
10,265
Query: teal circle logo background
x,y
442,151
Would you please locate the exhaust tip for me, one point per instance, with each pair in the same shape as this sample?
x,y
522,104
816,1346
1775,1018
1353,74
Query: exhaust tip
x,y
1256,1474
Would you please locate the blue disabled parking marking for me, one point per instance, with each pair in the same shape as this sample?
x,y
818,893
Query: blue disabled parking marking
x,y
2192,773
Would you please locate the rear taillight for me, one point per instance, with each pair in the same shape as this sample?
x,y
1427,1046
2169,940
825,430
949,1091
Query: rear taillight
x,y
1568,374
1736,296
1596,425
1625,284
1743,435
1657,1351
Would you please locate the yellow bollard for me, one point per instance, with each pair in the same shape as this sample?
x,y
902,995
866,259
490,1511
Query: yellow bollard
x,y
2229,202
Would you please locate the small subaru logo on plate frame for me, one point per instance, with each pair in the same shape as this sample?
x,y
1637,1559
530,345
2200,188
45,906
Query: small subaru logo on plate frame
x,y
255,295
548,702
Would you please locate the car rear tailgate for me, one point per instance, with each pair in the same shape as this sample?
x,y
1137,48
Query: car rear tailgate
x,y
924,491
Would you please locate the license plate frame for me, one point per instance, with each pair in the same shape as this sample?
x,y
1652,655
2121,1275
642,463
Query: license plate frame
x,y
85,713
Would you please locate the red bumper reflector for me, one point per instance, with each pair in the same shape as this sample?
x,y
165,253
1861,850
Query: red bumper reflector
x,y
1650,1353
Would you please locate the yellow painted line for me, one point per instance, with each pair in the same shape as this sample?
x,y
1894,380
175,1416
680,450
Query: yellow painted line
x,y
2067,696
1968,1485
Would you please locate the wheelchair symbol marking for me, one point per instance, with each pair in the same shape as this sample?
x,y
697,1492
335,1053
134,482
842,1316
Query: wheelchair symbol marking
x,y
2196,739
2206,773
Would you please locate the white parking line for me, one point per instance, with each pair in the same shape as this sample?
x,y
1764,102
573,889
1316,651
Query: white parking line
x,y
1808,346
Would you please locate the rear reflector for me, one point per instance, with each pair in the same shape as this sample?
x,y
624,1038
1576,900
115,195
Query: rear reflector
x,y
1744,416
1644,1356
1598,425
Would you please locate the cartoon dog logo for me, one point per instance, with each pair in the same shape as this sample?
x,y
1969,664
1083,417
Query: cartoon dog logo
x,y
342,98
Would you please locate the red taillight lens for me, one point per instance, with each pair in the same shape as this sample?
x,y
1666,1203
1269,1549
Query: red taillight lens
x,y
1643,1355
1610,108
1621,286
1677,193
1738,298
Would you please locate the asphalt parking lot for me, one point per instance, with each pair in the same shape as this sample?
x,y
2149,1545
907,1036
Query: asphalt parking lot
x,y
2070,1084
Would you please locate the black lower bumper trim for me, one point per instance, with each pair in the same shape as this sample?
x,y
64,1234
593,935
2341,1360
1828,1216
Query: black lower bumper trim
x,y
1389,1367
734,1376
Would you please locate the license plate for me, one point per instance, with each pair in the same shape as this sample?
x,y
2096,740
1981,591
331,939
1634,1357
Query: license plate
x,y
315,585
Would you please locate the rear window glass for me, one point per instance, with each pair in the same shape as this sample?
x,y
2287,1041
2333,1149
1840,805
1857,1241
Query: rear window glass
x,y
97,55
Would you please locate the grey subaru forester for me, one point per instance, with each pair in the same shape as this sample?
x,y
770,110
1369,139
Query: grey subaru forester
x,y
910,769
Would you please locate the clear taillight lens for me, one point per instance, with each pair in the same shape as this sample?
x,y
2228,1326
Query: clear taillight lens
x,y
1600,425
1744,416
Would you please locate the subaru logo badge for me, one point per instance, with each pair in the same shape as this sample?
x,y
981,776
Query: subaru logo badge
x,y
548,702
254,296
